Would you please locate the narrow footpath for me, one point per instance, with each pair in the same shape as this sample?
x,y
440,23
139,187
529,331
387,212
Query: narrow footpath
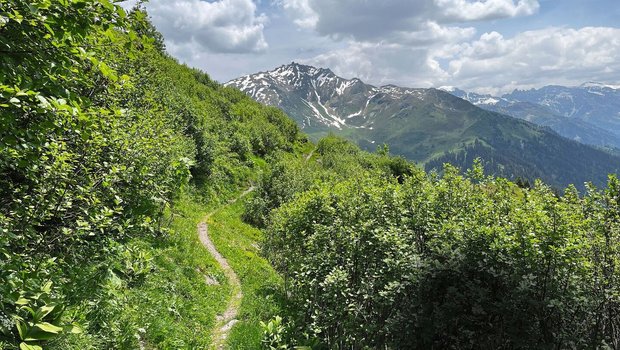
x,y
227,320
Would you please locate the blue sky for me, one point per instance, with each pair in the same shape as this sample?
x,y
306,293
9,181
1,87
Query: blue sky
x,y
489,46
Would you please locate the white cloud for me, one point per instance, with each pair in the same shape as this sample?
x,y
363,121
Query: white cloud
x,y
489,64
223,26
403,42
464,10
383,63
415,43
425,43
533,58
304,16
431,33
365,20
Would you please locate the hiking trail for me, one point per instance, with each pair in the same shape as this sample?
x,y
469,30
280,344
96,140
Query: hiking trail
x,y
228,318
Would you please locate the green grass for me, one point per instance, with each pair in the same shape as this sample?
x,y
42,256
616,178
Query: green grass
x,y
176,305
171,306
261,285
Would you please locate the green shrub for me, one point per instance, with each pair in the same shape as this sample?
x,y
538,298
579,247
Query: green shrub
x,y
450,262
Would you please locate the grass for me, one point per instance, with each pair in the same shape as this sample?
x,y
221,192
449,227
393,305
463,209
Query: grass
x,y
169,306
176,305
261,285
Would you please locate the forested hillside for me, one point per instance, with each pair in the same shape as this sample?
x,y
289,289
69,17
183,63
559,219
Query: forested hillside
x,y
112,153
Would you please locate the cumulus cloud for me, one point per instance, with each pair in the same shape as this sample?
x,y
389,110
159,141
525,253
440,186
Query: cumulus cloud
x,y
383,63
533,58
431,33
432,43
195,26
303,15
364,20
463,10
489,64
416,43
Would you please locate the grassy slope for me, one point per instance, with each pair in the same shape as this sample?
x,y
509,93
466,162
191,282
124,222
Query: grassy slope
x,y
179,307
172,307
261,285
175,304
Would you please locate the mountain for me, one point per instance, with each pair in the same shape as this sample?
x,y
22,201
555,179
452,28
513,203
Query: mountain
x,y
594,103
429,126
557,107
315,97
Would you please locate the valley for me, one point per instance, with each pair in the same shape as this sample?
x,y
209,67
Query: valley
x,y
588,113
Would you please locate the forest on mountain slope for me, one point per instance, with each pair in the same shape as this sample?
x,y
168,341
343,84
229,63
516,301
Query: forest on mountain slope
x,y
104,137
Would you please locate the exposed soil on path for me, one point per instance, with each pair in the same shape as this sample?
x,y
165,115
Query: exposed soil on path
x,y
227,320
307,158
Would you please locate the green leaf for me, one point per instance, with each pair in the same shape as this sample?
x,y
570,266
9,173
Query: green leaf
x,y
45,310
30,310
47,287
22,301
48,327
73,329
107,4
24,346
22,329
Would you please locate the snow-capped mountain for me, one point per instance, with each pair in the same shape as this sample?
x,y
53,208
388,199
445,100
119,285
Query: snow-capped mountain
x,y
429,126
595,103
318,99
589,113
475,98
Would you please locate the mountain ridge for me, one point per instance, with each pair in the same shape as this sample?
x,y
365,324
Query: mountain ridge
x,y
589,113
429,126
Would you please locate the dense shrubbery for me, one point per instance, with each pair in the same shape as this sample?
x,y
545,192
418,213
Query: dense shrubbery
x,y
289,175
99,130
450,262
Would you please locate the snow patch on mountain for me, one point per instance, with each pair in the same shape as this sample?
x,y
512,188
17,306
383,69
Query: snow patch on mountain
x,y
592,84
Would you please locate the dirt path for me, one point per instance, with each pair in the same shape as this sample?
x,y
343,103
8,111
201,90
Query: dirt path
x,y
227,320
309,155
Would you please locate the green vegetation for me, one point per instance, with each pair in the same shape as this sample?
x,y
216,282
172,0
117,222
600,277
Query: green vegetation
x,y
100,132
432,127
444,129
166,302
444,262
111,153
261,285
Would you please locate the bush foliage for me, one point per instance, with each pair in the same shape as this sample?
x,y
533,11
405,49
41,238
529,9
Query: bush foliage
x,y
99,131
445,262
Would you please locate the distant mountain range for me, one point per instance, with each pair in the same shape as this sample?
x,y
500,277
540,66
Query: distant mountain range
x,y
589,113
429,126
